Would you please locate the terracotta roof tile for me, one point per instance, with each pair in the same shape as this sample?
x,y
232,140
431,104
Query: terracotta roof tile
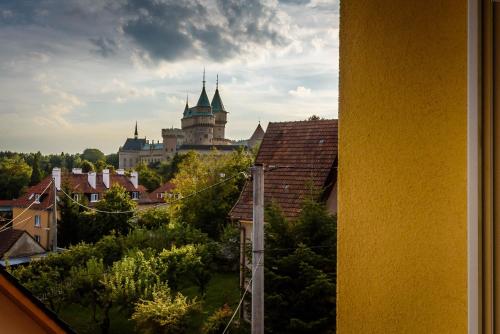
x,y
78,183
308,149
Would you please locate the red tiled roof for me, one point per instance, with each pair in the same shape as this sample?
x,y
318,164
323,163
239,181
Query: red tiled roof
x,y
78,183
6,202
308,149
165,188
28,198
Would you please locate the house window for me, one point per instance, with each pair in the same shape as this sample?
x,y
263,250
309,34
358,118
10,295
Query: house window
x,y
37,221
94,197
37,198
37,238
76,197
135,195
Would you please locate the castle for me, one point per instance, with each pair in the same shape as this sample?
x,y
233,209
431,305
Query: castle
x,y
203,129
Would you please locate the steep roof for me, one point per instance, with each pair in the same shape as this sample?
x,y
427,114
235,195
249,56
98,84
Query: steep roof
x,y
134,144
8,238
258,134
164,188
78,183
297,156
31,305
217,105
203,100
27,245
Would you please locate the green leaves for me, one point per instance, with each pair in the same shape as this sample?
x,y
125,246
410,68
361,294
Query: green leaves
x,y
208,210
164,313
300,271
15,175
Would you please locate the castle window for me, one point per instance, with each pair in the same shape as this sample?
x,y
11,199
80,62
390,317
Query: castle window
x,y
76,197
94,197
37,198
135,195
37,238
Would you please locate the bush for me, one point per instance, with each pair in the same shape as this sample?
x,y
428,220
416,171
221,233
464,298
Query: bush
x,y
164,314
218,321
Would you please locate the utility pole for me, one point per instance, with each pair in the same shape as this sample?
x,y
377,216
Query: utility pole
x,y
53,230
258,250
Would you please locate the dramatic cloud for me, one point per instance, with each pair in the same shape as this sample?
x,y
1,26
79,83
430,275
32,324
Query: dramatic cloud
x,y
104,46
86,70
170,29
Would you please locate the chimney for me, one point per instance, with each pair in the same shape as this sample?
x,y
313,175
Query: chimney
x,y
120,171
76,171
134,179
56,175
92,179
105,177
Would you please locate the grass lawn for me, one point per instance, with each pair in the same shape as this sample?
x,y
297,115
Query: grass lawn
x,y
223,288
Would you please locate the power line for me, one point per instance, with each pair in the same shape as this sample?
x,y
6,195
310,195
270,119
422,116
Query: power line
x,y
32,203
5,228
242,297
155,206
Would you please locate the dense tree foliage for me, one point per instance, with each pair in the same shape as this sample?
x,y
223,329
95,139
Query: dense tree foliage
x,y
36,173
208,210
93,155
149,178
300,269
15,175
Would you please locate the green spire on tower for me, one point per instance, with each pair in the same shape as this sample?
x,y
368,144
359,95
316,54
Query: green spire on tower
x,y
217,104
203,101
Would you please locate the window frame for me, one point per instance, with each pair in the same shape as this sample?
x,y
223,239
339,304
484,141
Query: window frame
x,y
38,221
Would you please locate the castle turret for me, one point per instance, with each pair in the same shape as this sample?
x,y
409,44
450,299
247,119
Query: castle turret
x,y
220,114
199,121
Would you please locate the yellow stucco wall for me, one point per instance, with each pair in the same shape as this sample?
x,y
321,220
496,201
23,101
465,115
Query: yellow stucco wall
x,y
402,260
28,225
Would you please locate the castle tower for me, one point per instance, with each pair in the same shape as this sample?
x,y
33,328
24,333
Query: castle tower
x,y
198,122
220,114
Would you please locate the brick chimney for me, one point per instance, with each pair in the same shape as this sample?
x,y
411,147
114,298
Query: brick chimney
x,y
134,179
92,179
105,178
56,175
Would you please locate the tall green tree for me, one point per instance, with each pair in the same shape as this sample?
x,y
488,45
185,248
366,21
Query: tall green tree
x,y
15,176
93,155
112,159
87,166
36,173
69,219
116,199
148,177
300,269
207,210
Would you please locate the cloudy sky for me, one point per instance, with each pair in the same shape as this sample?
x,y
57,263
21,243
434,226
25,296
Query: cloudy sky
x,y
79,73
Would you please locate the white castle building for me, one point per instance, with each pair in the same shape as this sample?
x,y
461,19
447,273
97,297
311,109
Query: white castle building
x,y
203,129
